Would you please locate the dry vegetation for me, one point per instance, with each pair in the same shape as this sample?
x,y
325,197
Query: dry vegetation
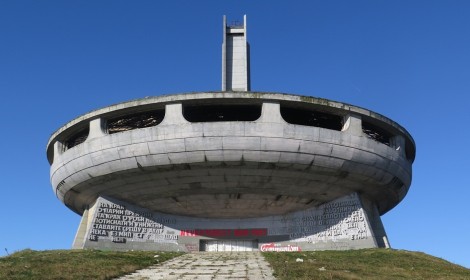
x,y
77,264
355,264
363,264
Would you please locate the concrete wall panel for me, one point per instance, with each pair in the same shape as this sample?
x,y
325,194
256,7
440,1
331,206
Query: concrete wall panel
x,y
341,224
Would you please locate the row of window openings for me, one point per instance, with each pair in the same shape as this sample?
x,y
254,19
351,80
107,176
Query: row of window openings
x,y
226,113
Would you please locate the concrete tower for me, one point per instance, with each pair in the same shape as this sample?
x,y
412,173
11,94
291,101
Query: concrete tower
x,y
235,57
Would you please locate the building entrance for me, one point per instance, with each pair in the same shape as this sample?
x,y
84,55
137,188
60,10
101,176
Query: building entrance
x,y
228,245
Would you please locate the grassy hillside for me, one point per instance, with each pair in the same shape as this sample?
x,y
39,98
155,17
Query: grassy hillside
x,y
363,264
76,264
357,264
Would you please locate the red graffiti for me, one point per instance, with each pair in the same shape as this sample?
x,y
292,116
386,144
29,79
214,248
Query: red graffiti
x,y
272,247
250,232
188,232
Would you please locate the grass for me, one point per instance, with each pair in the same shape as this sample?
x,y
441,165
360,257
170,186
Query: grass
x,y
354,264
363,264
77,264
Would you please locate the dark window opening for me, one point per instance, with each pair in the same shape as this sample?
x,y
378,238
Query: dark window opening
x,y
311,118
135,121
376,133
222,113
77,138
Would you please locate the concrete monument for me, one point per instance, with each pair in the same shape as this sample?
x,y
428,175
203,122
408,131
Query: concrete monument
x,y
231,170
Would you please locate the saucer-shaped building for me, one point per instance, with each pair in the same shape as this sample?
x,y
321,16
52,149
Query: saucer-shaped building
x,y
231,170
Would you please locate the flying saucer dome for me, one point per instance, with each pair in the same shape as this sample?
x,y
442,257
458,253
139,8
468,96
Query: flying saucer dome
x,y
230,155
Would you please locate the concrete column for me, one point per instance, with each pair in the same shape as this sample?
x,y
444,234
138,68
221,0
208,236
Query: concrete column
x,y
352,124
271,113
79,240
58,150
376,225
173,114
97,129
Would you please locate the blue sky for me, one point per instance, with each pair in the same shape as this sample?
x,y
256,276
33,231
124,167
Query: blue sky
x,y
408,60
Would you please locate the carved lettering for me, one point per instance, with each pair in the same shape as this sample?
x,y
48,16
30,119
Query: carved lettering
x,y
119,225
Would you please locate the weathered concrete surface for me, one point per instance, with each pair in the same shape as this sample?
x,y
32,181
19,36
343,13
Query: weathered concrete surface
x,y
214,266
214,97
176,166
338,225
233,175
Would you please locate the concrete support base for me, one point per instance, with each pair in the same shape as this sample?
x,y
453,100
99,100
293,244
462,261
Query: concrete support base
x,y
350,222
